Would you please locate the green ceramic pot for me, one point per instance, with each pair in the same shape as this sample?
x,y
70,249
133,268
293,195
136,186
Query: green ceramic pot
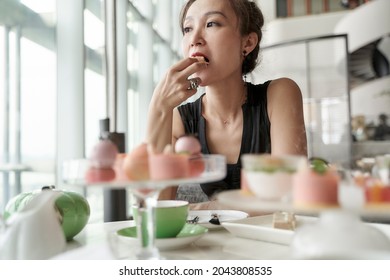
x,y
73,208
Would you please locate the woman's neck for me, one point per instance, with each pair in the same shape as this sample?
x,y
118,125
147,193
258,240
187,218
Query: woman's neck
x,y
224,101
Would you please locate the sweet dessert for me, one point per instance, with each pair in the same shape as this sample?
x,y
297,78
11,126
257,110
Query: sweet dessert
x,y
144,163
377,194
196,165
103,154
316,185
201,59
376,191
284,220
244,185
136,163
269,177
96,175
190,145
102,160
165,166
120,174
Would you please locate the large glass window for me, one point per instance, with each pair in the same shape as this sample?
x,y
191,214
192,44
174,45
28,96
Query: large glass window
x,y
94,74
319,66
34,69
27,96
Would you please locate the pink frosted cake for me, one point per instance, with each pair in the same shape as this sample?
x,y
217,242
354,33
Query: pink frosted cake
x,y
144,163
102,159
314,188
96,175
168,166
190,145
103,154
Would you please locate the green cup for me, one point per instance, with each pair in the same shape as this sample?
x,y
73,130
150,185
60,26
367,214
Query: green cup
x,y
171,216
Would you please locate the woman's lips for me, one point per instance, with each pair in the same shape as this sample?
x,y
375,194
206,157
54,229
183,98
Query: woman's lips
x,y
200,57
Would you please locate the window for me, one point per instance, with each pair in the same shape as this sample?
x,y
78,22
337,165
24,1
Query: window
x,y
53,86
27,96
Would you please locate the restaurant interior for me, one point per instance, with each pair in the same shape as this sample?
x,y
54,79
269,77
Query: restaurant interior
x,y
70,69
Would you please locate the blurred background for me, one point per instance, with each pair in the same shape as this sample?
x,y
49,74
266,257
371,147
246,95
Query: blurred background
x,y
54,91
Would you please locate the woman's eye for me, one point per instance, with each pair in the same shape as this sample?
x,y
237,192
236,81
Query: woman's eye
x,y
186,29
212,23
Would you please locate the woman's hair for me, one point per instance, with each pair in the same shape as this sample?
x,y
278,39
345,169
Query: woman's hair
x,y
250,20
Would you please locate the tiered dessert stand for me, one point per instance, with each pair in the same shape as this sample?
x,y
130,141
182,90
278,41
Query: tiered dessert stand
x,y
146,193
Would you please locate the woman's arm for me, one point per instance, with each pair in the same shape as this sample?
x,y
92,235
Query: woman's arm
x,y
178,130
171,91
285,111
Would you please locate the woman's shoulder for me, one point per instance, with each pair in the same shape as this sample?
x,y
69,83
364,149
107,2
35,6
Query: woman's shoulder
x,y
276,85
283,92
283,84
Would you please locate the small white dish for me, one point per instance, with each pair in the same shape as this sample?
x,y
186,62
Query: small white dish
x,y
261,228
188,235
223,216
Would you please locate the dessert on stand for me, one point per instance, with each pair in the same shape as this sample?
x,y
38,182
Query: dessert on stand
x,y
145,174
327,194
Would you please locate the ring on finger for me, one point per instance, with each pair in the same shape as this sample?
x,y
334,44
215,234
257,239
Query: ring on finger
x,y
194,84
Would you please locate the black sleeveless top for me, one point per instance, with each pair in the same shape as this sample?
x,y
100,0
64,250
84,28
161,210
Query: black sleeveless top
x,y
255,136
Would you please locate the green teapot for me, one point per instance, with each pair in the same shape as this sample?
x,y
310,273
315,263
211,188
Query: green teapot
x,y
73,209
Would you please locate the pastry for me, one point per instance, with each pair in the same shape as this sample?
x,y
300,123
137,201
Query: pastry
x,y
165,166
136,163
269,177
190,145
103,154
284,220
316,186
201,59
96,175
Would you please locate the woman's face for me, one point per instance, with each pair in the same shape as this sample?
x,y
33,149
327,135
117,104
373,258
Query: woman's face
x,y
211,30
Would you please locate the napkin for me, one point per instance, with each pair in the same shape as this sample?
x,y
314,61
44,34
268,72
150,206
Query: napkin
x,y
35,232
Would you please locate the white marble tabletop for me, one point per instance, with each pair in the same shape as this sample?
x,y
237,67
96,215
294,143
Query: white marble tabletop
x,y
216,244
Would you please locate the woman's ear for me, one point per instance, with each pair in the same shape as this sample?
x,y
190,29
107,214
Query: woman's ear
x,y
249,42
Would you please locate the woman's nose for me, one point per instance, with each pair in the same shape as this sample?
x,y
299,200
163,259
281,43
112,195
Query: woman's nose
x,y
197,39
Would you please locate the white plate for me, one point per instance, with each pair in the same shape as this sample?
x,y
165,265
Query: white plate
x,y
261,228
223,216
236,199
188,235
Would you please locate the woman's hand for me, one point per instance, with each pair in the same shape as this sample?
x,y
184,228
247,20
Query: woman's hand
x,y
174,87
172,90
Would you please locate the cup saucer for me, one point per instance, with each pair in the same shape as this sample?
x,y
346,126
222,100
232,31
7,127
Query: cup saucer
x,y
186,236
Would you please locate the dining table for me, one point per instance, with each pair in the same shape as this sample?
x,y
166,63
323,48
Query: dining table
x,y
94,243
98,241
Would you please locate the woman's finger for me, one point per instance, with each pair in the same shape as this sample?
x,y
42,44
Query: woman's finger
x,y
188,66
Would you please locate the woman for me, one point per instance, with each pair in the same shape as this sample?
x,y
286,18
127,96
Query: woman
x,y
233,117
